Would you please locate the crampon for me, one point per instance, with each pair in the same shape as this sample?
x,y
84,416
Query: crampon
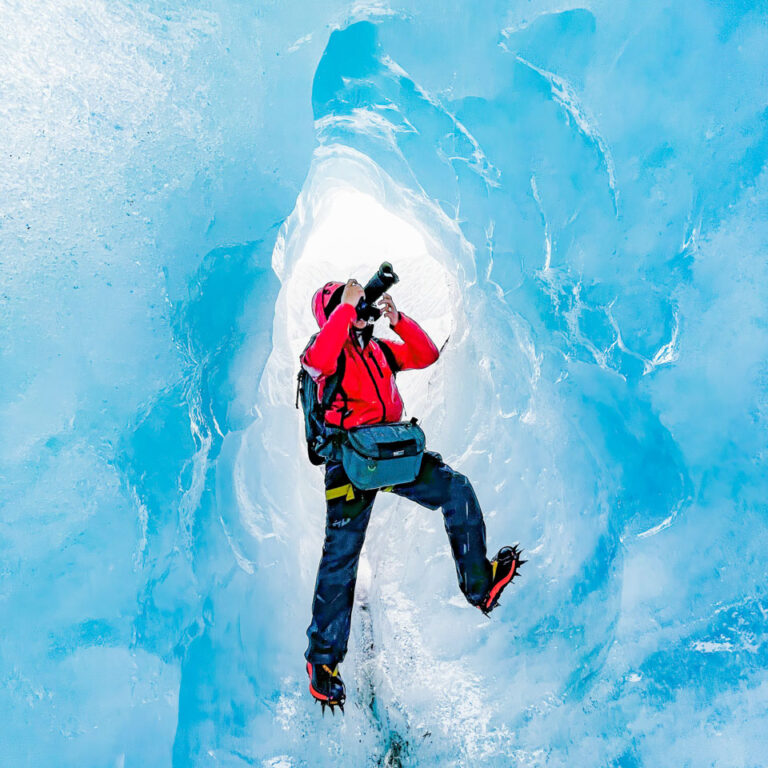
x,y
506,565
326,686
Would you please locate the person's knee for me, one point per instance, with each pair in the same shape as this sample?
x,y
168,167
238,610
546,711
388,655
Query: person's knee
x,y
460,485
448,485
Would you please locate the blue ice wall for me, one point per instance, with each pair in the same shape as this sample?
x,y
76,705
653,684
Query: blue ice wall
x,y
593,179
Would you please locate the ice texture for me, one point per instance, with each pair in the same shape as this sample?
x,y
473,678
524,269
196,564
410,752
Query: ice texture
x,y
575,197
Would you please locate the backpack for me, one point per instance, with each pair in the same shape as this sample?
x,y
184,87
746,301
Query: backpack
x,y
323,438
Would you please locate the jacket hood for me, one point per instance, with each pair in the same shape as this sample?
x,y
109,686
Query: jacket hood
x,y
325,300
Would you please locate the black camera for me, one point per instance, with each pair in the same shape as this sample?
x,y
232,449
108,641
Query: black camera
x,y
382,281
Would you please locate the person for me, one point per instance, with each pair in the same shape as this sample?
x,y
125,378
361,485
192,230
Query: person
x,y
368,395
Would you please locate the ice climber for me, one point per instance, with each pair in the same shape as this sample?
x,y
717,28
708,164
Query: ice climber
x,y
367,394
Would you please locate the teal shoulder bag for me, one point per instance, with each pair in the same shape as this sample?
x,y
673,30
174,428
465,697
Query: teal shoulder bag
x,y
379,455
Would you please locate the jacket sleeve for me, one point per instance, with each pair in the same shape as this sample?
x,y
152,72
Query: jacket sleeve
x,y
320,357
416,350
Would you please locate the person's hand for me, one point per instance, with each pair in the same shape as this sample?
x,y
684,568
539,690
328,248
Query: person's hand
x,y
387,307
352,293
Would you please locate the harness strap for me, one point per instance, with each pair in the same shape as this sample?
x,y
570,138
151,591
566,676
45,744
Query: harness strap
x,y
389,355
348,491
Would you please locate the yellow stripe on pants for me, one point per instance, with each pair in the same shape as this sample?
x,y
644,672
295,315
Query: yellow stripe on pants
x,y
348,491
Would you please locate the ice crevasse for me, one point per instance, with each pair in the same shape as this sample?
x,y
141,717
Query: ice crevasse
x,y
574,197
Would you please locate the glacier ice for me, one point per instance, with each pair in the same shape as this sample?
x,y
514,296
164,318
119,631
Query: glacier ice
x,y
575,197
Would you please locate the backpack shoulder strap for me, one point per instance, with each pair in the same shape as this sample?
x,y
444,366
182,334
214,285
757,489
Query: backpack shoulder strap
x,y
389,355
333,385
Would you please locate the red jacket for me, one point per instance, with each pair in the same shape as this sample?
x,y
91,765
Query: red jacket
x,y
368,391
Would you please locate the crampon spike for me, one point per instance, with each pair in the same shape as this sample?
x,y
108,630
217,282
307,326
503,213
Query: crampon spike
x,y
330,705
491,600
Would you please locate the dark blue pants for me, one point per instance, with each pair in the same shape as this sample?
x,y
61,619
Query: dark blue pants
x,y
437,485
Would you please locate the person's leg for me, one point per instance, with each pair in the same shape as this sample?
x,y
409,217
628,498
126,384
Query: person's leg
x,y
437,485
348,512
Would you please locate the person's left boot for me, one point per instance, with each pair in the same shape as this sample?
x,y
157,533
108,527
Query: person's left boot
x,y
326,685
505,566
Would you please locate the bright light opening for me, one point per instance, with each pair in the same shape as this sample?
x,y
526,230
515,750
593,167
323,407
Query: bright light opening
x,y
349,233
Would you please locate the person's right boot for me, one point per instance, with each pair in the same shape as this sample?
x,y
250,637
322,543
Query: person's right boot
x,y
505,566
326,685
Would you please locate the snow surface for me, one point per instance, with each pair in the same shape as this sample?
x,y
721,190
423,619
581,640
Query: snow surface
x,y
575,197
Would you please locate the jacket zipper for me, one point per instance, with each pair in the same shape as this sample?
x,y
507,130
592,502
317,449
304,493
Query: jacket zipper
x,y
370,373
